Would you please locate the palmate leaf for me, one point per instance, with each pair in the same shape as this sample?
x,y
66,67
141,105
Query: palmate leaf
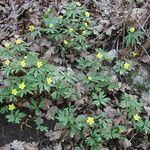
x,y
133,38
15,117
35,34
48,20
147,126
36,106
83,62
33,105
41,104
100,99
66,117
131,105
4,110
42,128
119,68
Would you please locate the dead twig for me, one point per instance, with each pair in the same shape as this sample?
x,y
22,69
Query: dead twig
x,y
14,14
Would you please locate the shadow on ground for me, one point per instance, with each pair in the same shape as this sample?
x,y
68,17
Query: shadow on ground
x,y
27,133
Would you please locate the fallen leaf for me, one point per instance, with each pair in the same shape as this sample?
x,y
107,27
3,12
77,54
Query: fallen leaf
x,y
58,147
126,143
49,53
17,145
50,115
53,135
110,112
30,146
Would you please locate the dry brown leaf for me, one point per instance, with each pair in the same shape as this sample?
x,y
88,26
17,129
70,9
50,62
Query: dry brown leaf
x,y
58,127
147,109
49,53
30,146
50,115
145,59
17,145
126,143
110,112
57,146
53,135
6,147
81,100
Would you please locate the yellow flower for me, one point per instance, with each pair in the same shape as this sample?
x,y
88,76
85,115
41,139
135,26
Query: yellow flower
x,y
87,14
71,30
14,91
18,41
51,25
6,44
121,130
22,85
78,4
86,24
90,120
136,117
11,107
61,17
134,54
99,55
49,80
65,42
126,66
48,10
31,28
90,78
23,63
132,29
39,64
84,32
7,62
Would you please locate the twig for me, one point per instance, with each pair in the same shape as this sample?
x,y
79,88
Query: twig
x,y
25,123
131,138
14,13
143,28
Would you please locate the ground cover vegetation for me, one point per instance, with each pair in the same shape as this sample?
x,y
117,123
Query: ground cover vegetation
x,y
96,102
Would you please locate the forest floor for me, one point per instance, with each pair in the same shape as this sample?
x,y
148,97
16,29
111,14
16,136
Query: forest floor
x,y
111,18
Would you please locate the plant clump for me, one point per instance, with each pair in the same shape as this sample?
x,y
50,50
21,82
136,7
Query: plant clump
x,y
30,80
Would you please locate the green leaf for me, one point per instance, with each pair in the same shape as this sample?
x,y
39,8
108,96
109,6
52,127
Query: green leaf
x,y
15,116
100,99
